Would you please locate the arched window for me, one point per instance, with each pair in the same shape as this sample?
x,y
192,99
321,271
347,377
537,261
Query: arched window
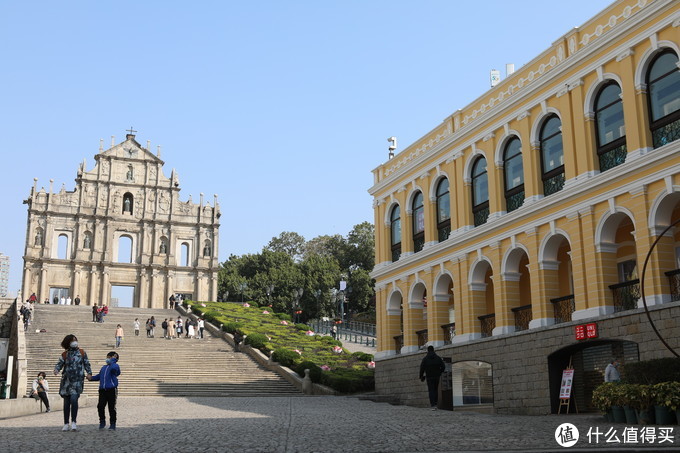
x,y
185,254
395,230
663,88
611,130
125,249
127,203
514,174
552,155
443,210
62,247
418,222
480,192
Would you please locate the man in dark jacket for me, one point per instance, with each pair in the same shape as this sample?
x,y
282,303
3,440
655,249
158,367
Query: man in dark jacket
x,y
432,367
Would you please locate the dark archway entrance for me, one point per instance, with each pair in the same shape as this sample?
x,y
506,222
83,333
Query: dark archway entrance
x,y
589,360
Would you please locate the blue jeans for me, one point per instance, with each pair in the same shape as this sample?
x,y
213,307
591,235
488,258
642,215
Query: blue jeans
x,y
118,341
70,407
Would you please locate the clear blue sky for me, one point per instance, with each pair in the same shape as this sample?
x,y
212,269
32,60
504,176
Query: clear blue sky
x,y
282,108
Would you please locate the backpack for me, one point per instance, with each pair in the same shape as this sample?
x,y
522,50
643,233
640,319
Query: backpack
x,y
82,353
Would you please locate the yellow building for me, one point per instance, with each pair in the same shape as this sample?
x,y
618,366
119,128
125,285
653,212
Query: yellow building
x,y
527,216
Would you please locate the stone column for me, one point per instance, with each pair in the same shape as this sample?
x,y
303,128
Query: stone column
x,y
44,290
91,297
169,289
152,299
104,290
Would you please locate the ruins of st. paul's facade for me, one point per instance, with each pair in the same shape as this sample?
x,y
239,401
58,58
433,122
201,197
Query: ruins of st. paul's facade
x,y
123,225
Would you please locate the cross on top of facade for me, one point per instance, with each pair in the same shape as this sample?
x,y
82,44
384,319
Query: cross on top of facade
x,y
131,130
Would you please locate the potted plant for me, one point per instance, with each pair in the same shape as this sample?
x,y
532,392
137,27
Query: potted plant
x,y
666,402
645,404
630,395
602,399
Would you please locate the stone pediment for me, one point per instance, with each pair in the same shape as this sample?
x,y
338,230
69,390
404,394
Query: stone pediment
x,y
130,149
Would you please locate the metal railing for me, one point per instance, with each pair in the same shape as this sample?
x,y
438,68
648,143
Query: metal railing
x,y
523,316
354,327
563,306
488,323
666,134
613,157
626,295
398,343
422,338
554,184
674,280
449,332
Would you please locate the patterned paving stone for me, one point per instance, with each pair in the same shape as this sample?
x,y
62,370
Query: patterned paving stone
x,y
300,424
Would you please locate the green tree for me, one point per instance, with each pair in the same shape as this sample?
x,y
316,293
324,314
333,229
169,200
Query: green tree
x,y
321,274
288,242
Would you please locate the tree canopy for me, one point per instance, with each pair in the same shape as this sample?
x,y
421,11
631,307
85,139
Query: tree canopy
x,y
288,264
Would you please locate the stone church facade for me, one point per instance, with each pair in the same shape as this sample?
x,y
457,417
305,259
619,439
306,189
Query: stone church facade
x,y
123,225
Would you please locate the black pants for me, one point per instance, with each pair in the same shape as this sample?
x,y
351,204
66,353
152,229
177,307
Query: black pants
x,y
43,397
107,396
433,390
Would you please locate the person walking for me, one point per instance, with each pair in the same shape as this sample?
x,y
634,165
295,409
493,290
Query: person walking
x,y
152,323
172,302
191,332
75,366
431,368
119,335
171,329
611,373
94,313
201,327
108,390
136,326
179,327
148,328
77,300
164,325
40,388
186,327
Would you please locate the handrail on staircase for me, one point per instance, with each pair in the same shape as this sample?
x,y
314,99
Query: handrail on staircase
x,y
17,349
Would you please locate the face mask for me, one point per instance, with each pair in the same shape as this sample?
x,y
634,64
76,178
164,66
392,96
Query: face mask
x,y
74,344
109,361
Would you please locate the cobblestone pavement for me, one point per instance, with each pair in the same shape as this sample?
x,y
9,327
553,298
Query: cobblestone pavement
x,y
297,424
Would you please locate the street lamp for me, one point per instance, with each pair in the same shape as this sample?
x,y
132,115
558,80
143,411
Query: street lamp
x,y
317,294
297,294
242,287
270,290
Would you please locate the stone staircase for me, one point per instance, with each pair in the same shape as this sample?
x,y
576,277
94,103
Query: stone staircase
x,y
149,366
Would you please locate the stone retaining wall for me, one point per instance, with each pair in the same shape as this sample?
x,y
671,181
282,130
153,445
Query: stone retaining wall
x,y
520,360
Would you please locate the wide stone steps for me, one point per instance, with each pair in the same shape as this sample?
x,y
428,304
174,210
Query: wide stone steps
x,y
150,366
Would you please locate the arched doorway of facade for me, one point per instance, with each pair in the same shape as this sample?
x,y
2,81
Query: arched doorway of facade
x,y
558,277
619,262
395,322
589,360
418,314
517,282
666,256
442,308
482,295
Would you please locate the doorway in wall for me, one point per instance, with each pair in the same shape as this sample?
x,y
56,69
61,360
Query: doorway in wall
x,y
122,296
58,293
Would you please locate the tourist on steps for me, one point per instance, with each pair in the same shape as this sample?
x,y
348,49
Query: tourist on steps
x,y
108,389
119,335
171,329
74,363
164,325
136,326
148,328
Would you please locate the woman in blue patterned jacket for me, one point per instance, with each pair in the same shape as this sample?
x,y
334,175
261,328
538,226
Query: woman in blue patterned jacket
x,y
75,365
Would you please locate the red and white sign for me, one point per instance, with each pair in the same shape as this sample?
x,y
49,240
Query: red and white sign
x,y
591,330
580,332
567,380
585,331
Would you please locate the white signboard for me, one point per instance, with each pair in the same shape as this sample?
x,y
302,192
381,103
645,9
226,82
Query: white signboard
x,y
567,380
